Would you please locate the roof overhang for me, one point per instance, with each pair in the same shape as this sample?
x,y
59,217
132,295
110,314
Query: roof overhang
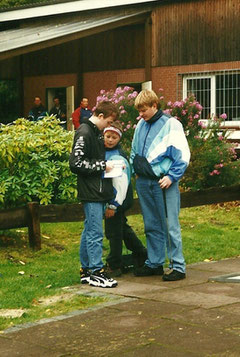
x,y
36,37
66,7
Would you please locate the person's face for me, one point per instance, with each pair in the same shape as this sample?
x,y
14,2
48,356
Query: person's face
x,y
56,102
147,112
37,101
84,103
104,122
111,139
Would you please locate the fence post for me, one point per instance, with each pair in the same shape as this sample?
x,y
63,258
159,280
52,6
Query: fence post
x,y
34,230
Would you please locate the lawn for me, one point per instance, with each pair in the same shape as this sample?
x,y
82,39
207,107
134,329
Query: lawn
x,y
28,278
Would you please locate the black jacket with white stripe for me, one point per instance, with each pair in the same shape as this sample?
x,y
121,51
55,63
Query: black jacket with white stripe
x,y
87,160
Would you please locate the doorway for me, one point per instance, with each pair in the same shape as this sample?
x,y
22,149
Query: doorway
x,y
66,97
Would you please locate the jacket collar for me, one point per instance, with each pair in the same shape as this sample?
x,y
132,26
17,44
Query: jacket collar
x,y
156,116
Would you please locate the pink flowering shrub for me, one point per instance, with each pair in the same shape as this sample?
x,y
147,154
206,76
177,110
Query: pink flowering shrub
x,y
187,111
124,98
213,160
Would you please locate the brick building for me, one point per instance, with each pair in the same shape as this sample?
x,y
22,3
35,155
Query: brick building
x,y
76,48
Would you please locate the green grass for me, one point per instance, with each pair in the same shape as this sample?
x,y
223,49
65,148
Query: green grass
x,y
209,232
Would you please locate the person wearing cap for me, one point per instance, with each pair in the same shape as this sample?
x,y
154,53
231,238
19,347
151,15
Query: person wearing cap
x,y
117,229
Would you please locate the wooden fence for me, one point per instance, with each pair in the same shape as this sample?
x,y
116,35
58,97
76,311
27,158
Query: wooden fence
x,y
33,214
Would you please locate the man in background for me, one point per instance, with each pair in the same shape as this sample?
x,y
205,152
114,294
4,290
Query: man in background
x,y
59,110
82,112
38,110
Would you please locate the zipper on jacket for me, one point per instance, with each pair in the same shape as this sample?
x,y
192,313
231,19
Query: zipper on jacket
x,y
101,186
146,139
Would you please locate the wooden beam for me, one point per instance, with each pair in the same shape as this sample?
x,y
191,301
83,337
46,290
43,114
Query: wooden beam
x,y
148,49
34,230
32,214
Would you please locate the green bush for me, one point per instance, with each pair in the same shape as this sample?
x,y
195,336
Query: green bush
x,y
34,163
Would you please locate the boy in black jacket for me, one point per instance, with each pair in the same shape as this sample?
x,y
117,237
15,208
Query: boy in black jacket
x,y
87,160
117,229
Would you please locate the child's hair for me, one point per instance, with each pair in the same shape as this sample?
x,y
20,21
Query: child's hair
x,y
116,126
146,98
107,109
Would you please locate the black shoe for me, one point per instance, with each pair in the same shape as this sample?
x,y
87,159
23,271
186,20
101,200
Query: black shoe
x,y
174,275
147,271
113,273
139,259
84,276
100,279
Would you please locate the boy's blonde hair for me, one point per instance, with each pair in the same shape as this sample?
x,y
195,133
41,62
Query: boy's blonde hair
x,y
146,98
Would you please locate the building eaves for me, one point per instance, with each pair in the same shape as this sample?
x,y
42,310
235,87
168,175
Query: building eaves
x,y
36,37
66,7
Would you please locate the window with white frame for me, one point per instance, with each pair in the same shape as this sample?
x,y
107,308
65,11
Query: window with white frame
x,y
218,93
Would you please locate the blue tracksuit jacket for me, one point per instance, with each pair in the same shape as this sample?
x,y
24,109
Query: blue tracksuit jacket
x,y
160,147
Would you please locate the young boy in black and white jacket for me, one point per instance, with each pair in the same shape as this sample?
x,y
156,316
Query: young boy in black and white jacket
x,y
87,160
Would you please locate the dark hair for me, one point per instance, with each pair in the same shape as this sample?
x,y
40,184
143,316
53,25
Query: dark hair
x,y
107,109
56,98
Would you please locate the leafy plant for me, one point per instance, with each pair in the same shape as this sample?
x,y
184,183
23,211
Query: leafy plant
x,y
34,163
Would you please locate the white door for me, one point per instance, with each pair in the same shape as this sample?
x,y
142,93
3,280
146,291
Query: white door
x,y
147,85
70,106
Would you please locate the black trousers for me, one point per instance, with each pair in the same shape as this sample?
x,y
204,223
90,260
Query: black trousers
x,y
117,231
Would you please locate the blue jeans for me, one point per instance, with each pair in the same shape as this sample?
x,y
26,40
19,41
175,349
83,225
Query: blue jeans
x,y
92,236
155,223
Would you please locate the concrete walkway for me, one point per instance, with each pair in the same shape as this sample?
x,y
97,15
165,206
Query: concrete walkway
x,y
145,317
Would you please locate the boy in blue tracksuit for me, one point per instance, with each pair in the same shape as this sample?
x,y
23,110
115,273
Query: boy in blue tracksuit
x,y
160,156
117,229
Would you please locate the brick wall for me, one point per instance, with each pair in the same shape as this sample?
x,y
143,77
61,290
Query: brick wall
x,y
162,77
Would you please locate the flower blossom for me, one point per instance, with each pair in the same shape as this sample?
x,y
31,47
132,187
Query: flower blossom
x,y
223,116
214,172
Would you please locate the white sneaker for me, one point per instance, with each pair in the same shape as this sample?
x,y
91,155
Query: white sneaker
x,y
84,276
100,279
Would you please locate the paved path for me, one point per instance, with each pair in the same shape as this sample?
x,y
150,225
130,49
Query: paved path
x,y
146,317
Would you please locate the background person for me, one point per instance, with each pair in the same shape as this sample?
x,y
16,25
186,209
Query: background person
x,y
82,112
59,110
38,110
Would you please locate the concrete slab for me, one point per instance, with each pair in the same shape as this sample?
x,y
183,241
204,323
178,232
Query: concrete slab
x,y
233,309
218,289
10,347
225,266
216,318
132,289
192,317
156,350
151,308
190,298
194,276
207,340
